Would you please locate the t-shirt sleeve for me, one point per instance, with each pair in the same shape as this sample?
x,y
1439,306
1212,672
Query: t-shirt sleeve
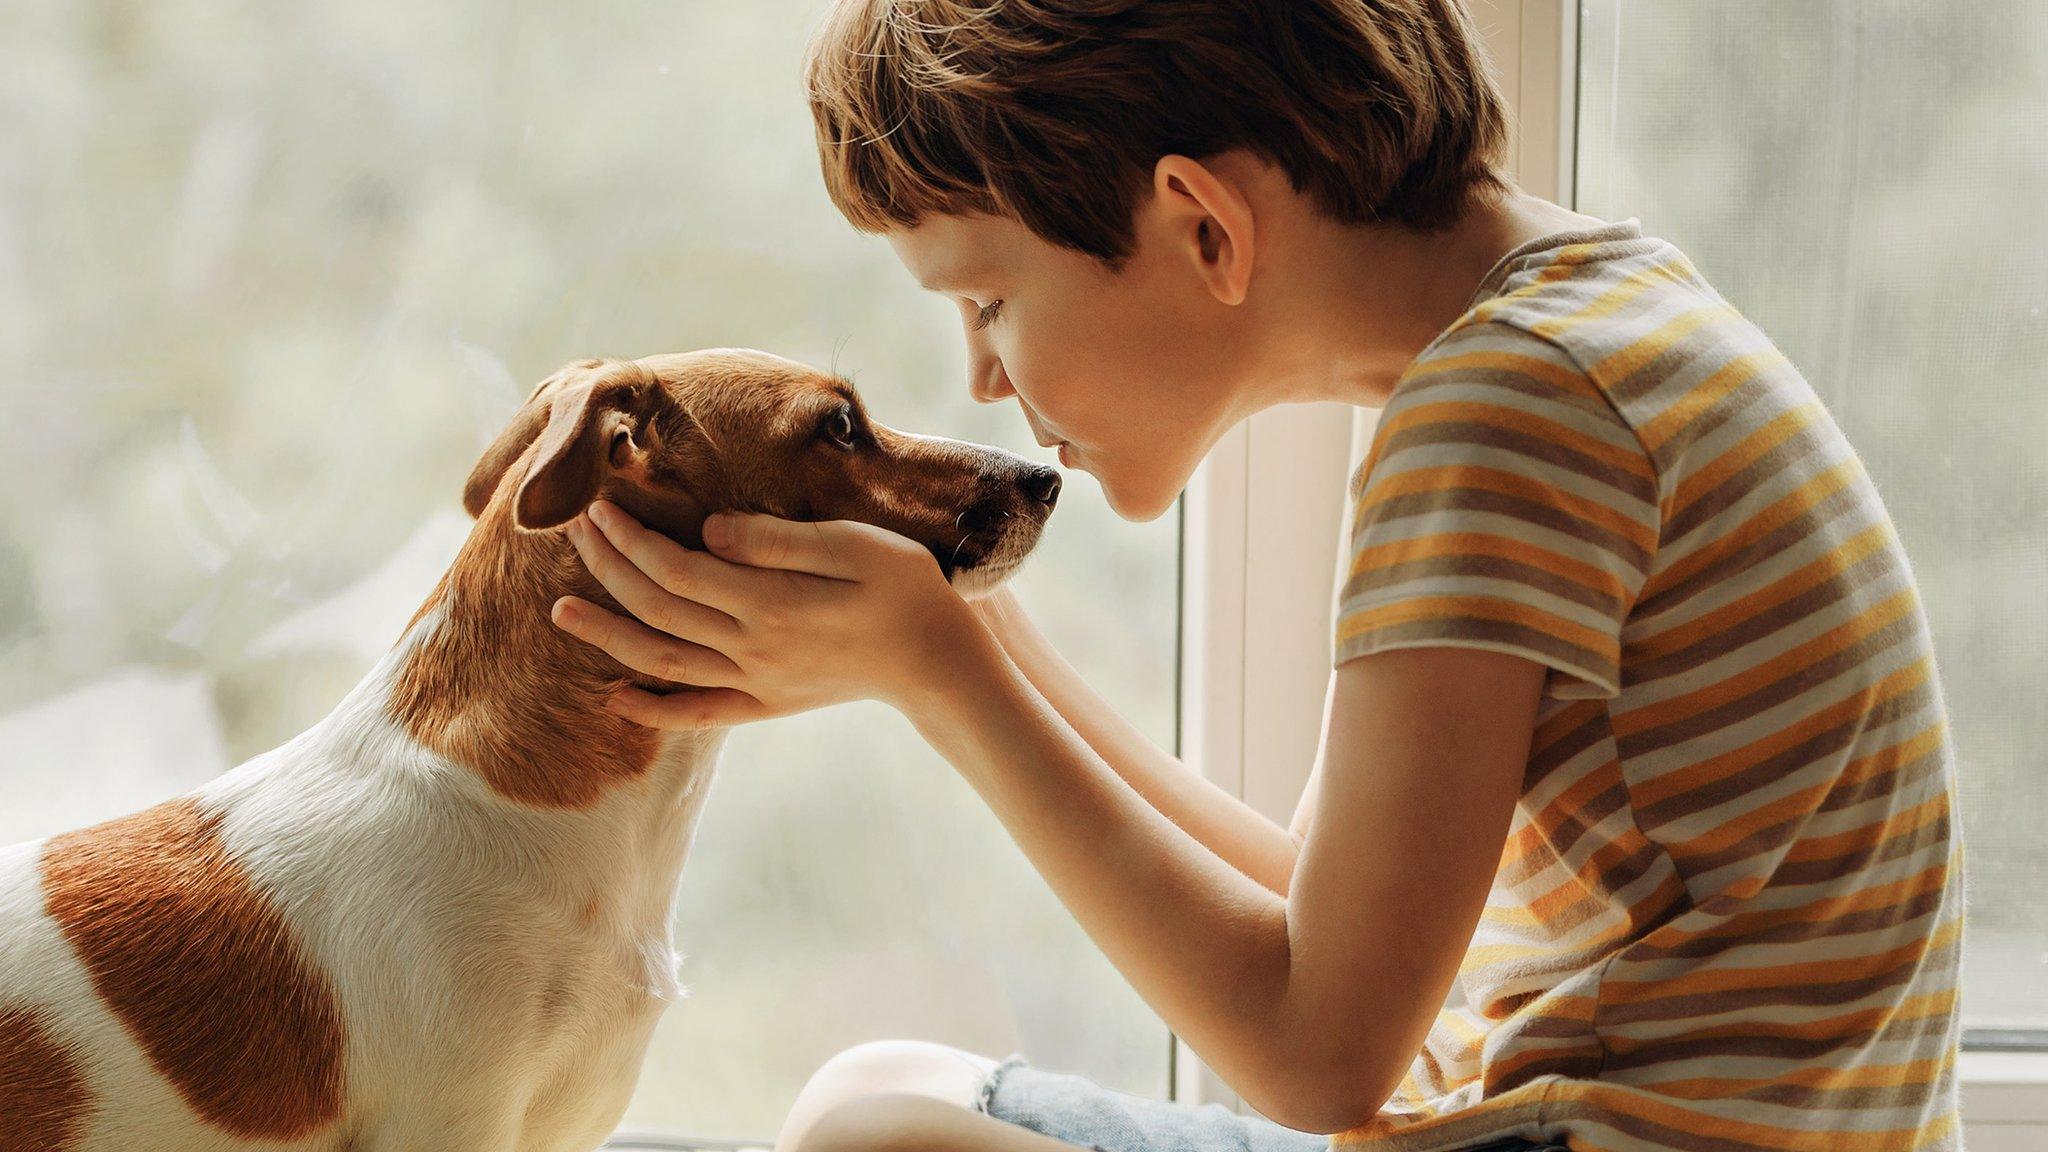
x,y
1504,504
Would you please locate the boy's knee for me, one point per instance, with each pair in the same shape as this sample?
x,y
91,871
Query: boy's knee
x,y
881,1069
883,1122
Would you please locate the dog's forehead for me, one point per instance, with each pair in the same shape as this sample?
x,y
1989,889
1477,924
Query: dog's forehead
x,y
713,369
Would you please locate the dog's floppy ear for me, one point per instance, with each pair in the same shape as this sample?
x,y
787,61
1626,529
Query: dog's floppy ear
x,y
513,442
593,429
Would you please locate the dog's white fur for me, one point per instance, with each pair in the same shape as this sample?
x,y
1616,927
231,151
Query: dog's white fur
x,y
435,906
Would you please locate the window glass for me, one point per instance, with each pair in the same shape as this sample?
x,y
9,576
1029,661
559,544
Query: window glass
x,y
273,274
1866,181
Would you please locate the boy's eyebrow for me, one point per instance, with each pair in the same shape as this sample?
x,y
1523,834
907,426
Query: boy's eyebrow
x,y
944,277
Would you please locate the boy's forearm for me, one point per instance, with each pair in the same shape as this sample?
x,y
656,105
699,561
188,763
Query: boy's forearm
x,y
1244,838
1208,947
1140,886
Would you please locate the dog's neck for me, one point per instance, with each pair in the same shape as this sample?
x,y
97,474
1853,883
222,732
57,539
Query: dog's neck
x,y
490,683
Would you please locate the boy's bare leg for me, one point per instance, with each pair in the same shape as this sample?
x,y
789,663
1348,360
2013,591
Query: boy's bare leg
x,y
901,1095
907,1123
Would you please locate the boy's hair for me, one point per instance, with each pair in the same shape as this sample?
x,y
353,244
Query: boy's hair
x,y
1055,111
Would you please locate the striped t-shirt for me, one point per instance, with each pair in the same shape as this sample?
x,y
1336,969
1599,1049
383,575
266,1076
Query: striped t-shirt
x,y
1729,912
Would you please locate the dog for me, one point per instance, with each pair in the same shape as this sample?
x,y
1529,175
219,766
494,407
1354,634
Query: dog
x,y
440,918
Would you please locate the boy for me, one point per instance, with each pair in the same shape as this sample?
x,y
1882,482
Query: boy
x,y
1634,729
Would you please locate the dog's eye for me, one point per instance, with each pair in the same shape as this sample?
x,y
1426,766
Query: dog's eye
x,y
839,427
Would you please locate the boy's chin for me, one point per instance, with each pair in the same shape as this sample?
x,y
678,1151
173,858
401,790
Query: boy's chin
x,y
1139,504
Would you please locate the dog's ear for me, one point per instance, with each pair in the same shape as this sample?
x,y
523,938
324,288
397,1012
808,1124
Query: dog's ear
x,y
593,430
513,442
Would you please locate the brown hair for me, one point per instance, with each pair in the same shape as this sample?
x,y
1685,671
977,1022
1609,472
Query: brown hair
x,y
1054,111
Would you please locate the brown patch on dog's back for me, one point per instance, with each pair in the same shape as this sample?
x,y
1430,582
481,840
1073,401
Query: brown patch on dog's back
x,y
201,967
43,1097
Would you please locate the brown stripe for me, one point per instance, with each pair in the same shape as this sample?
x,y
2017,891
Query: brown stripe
x,y
43,1096
1819,747
1376,512
1487,567
1896,779
1865,855
1710,345
1496,631
1794,450
1852,499
1860,653
201,968
1808,994
1663,1136
1798,931
1793,1049
1640,487
1720,642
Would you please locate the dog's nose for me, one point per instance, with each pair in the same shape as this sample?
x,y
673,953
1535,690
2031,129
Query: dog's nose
x,y
979,517
1042,485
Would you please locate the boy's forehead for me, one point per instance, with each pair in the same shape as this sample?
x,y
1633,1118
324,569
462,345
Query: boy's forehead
x,y
945,252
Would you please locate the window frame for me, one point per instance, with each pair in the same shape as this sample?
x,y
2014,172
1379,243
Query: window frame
x,y
1261,529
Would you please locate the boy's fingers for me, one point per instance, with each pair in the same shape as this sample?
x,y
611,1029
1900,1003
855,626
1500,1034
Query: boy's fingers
x,y
642,648
667,565
829,548
688,709
642,595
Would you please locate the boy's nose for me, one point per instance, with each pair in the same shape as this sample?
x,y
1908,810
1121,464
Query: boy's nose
x,y
987,382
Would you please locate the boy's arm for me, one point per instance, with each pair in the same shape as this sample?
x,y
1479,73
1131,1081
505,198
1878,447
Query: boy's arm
x,y
1244,838
1311,1005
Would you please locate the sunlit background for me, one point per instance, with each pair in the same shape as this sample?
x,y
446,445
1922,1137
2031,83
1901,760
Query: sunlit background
x,y
273,274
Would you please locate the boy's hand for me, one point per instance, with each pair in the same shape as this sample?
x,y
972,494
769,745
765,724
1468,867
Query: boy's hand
x,y
779,616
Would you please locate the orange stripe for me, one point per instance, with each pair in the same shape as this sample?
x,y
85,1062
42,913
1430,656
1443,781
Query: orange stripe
x,y
1824,1079
1903,823
1873,1019
1608,302
1751,448
1791,662
1699,399
1563,377
1446,545
1749,924
1829,566
1794,504
1712,1129
1629,459
1452,477
1830,971
1360,622
1701,773
1619,365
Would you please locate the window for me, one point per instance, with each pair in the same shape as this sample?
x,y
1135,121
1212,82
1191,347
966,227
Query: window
x,y
1865,181
275,274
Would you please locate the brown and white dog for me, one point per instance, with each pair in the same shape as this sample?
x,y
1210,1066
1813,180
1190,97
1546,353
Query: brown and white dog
x,y
439,919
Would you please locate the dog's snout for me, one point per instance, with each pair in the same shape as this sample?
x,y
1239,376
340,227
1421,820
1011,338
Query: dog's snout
x,y
979,517
1041,485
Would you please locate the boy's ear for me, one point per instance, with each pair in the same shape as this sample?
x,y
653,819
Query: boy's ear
x,y
1208,214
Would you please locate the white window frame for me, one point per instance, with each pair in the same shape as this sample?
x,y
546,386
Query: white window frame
x,y
1263,522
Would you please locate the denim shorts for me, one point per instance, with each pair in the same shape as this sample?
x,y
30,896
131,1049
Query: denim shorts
x,y
1082,1112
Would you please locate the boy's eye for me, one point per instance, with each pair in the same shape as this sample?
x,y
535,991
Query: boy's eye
x,y
986,315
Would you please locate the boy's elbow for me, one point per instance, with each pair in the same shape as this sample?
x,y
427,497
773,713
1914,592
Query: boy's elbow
x,y
1325,1097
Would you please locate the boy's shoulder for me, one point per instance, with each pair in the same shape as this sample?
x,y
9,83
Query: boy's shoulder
x,y
1623,324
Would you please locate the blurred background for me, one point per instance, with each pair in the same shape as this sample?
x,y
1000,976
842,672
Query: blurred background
x,y
271,275
1869,182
